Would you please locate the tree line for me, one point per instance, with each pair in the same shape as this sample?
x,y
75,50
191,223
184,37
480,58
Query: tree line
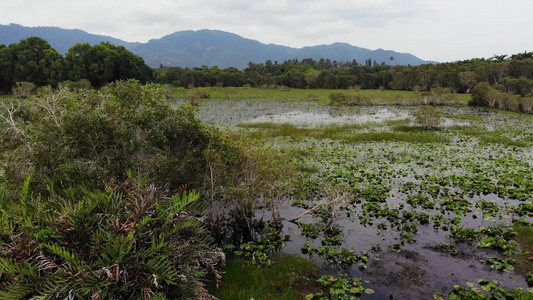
x,y
513,75
33,60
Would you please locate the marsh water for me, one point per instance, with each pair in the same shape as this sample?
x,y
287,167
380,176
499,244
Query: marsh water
x,y
417,270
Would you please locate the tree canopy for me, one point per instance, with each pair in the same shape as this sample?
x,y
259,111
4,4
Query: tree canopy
x,y
34,60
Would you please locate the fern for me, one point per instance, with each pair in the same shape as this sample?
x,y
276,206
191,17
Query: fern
x,y
24,196
5,227
178,202
102,246
15,292
162,269
70,258
115,248
12,267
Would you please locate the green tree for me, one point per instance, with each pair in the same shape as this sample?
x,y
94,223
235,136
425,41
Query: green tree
x,y
38,62
105,63
31,60
468,79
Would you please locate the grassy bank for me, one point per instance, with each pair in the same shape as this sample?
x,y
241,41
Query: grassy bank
x,y
289,277
377,96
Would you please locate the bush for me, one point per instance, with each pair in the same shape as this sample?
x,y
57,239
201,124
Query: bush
x,y
526,104
438,96
128,242
428,117
486,95
337,98
23,89
87,138
352,99
479,94
83,84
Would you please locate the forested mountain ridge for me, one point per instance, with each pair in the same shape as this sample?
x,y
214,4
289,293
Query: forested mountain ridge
x,y
224,49
59,38
207,48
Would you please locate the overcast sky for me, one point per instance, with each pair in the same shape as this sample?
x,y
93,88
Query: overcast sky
x,y
440,30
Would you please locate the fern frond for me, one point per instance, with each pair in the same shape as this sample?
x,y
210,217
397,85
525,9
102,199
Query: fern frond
x,y
55,288
70,258
15,292
115,248
45,263
162,269
12,267
24,195
187,227
178,202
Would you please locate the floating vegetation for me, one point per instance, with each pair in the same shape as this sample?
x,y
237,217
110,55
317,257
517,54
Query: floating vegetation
x,y
445,194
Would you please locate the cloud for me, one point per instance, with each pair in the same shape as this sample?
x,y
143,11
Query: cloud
x,y
437,29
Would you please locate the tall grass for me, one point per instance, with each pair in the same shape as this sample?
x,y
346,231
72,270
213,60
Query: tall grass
x,y
290,277
471,118
346,133
524,263
416,137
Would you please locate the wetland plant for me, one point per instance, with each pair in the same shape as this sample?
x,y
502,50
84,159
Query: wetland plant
x,y
428,117
339,288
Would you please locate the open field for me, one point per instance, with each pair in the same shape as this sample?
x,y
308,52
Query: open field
x,y
321,95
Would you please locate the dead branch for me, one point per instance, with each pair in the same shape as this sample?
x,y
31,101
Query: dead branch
x,y
10,120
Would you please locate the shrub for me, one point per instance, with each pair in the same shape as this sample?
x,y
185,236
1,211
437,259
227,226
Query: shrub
x,y
23,89
352,99
486,95
526,104
87,138
479,94
428,117
128,242
230,92
438,96
337,98
82,84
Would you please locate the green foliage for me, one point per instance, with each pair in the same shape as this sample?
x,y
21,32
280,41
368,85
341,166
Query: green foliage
x,y
82,84
258,251
286,278
438,96
127,242
84,138
23,89
32,60
340,288
485,290
350,99
428,117
104,63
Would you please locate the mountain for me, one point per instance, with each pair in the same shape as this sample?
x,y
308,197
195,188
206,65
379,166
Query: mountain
x,y
59,38
207,48
223,49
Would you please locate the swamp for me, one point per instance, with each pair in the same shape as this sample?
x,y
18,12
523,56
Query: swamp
x,y
143,191
414,213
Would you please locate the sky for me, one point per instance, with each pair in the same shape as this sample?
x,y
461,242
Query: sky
x,y
439,30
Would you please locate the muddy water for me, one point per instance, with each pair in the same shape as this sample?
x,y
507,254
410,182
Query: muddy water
x,y
418,271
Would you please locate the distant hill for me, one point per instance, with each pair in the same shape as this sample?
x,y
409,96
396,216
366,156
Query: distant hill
x,y
207,47
59,38
223,49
